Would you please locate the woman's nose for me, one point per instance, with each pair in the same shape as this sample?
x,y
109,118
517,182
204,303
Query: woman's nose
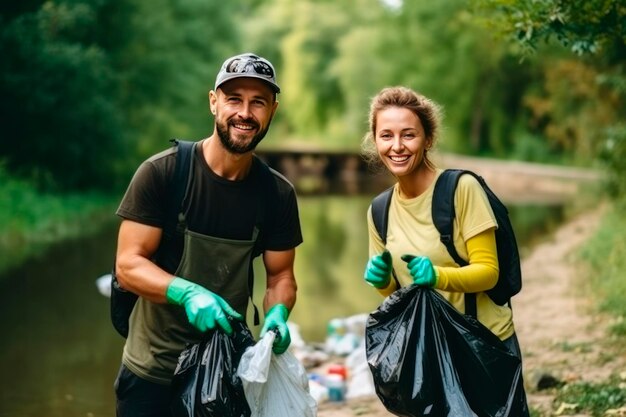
x,y
397,144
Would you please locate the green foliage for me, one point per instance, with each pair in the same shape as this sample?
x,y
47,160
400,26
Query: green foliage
x,y
581,101
334,56
606,253
584,26
613,154
59,119
31,220
594,398
91,87
534,148
166,55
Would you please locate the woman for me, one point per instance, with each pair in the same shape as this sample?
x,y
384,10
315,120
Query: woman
x,y
404,127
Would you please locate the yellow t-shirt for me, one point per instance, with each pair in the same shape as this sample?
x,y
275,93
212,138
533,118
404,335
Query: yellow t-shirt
x,y
411,230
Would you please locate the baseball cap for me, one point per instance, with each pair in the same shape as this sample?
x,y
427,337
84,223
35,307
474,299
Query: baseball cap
x,y
247,65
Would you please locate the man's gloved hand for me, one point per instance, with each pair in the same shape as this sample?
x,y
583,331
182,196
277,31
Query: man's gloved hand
x,y
276,318
421,269
378,270
204,308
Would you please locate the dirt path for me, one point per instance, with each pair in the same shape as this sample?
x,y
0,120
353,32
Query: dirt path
x,y
559,334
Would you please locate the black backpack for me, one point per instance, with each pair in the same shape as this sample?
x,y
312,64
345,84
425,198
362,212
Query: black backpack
x,y
122,301
443,213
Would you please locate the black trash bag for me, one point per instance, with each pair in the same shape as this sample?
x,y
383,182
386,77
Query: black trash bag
x,y
205,382
427,359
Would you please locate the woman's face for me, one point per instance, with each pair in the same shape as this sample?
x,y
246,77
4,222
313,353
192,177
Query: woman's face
x,y
400,140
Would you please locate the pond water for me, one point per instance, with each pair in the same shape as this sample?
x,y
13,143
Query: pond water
x,y
59,354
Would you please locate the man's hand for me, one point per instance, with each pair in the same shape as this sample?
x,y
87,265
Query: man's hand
x,y
276,318
421,269
378,270
204,308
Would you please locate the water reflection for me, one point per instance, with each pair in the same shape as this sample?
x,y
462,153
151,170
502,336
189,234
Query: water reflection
x,y
329,264
59,353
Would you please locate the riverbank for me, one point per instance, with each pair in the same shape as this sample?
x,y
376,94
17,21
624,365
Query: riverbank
x,y
564,339
32,222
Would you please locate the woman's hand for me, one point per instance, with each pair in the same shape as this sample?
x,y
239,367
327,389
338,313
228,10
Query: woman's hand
x,y
378,270
421,269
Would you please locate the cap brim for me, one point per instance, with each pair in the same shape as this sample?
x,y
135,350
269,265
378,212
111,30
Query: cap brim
x,y
234,76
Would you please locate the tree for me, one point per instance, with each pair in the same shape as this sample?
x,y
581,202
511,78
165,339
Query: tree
x,y
585,26
91,87
59,108
583,101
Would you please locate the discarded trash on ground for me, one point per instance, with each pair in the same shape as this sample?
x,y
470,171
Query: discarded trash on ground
x,y
103,284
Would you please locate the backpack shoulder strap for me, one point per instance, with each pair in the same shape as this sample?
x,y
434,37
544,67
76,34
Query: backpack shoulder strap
x,y
380,212
380,216
179,184
443,211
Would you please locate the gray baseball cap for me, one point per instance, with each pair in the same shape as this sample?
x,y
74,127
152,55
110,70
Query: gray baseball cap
x,y
247,65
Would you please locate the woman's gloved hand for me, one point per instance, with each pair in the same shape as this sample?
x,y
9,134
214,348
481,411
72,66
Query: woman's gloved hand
x,y
378,270
204,308
276,318
421,269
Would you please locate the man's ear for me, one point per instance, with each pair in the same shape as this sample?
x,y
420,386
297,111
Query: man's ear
x,y
212,101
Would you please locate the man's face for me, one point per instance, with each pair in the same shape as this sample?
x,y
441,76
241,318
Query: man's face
x,y
243,110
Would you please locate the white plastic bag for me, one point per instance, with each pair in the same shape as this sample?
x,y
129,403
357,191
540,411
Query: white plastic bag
x,y
275,385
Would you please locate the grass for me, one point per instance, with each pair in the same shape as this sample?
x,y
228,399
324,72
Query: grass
x,y
606,255
595,399
30,220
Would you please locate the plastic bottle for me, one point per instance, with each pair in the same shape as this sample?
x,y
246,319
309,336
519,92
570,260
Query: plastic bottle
x,y
336,387
336,368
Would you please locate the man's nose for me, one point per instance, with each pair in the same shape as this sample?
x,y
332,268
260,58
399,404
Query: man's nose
x,y
244,110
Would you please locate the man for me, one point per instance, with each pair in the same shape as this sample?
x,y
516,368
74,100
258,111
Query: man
x,y
200,281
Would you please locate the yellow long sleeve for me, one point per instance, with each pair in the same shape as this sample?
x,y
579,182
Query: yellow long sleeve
x,y
482,272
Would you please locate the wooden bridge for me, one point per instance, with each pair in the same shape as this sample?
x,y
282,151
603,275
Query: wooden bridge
x,y
345,172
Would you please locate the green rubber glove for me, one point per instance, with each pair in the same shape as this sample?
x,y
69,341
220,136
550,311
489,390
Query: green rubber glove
x,y
421,269
378,270
276,318
204,308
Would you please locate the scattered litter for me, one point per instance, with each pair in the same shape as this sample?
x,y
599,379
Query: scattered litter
x,y
361,381
343,335
317,389
104,284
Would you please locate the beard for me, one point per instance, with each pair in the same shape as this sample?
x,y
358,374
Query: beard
x,y
235,147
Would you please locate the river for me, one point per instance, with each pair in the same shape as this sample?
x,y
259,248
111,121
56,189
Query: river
x,y
59,354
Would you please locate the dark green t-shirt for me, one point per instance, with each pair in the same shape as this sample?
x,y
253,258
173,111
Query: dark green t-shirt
x,y
215,207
